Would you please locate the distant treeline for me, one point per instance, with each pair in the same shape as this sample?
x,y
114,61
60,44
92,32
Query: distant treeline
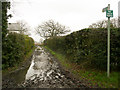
x,y
15,48
90,46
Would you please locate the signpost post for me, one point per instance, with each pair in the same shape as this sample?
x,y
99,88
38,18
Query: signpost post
x,y
109,13
108,57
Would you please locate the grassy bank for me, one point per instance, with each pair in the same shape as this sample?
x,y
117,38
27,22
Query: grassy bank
x,y
17,66
93,77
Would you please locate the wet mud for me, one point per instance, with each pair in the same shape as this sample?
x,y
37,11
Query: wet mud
x,y
44,72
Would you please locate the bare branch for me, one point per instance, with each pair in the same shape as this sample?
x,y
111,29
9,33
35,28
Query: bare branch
x,y
51,29
104,23
24,27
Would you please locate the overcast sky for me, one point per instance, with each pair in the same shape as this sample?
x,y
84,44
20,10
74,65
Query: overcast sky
x,y
76,14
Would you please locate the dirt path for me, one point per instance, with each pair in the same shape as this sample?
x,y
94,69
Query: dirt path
x,y
45,72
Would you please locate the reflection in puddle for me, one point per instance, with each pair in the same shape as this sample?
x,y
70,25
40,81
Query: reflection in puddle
x,y
38,65
45,72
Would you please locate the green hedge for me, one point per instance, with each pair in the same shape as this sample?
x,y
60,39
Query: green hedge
x,y
16,46
56,43
89,45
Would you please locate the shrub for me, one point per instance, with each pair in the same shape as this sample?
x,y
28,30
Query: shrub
x,y
16,46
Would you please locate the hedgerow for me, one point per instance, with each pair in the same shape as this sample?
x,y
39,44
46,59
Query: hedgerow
x,y
16,46
89,45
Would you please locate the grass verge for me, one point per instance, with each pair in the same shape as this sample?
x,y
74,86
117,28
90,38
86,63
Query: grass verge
x,y
93,77
17,66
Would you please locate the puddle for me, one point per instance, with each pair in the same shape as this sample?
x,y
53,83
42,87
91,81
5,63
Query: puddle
x,y
38,65
44,72
18,76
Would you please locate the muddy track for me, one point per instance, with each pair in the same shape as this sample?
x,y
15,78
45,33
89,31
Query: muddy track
x,y
46,72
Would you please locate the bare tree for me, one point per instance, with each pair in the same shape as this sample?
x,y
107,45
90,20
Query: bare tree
x,y
118,21
104,24
100,24
114,22
51,29
24,28
41,40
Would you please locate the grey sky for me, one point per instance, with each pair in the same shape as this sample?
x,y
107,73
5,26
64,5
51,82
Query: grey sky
x,y
76,14
119,8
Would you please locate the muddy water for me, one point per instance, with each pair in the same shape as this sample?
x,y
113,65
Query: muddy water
x,y
44,72
14,79
39,65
